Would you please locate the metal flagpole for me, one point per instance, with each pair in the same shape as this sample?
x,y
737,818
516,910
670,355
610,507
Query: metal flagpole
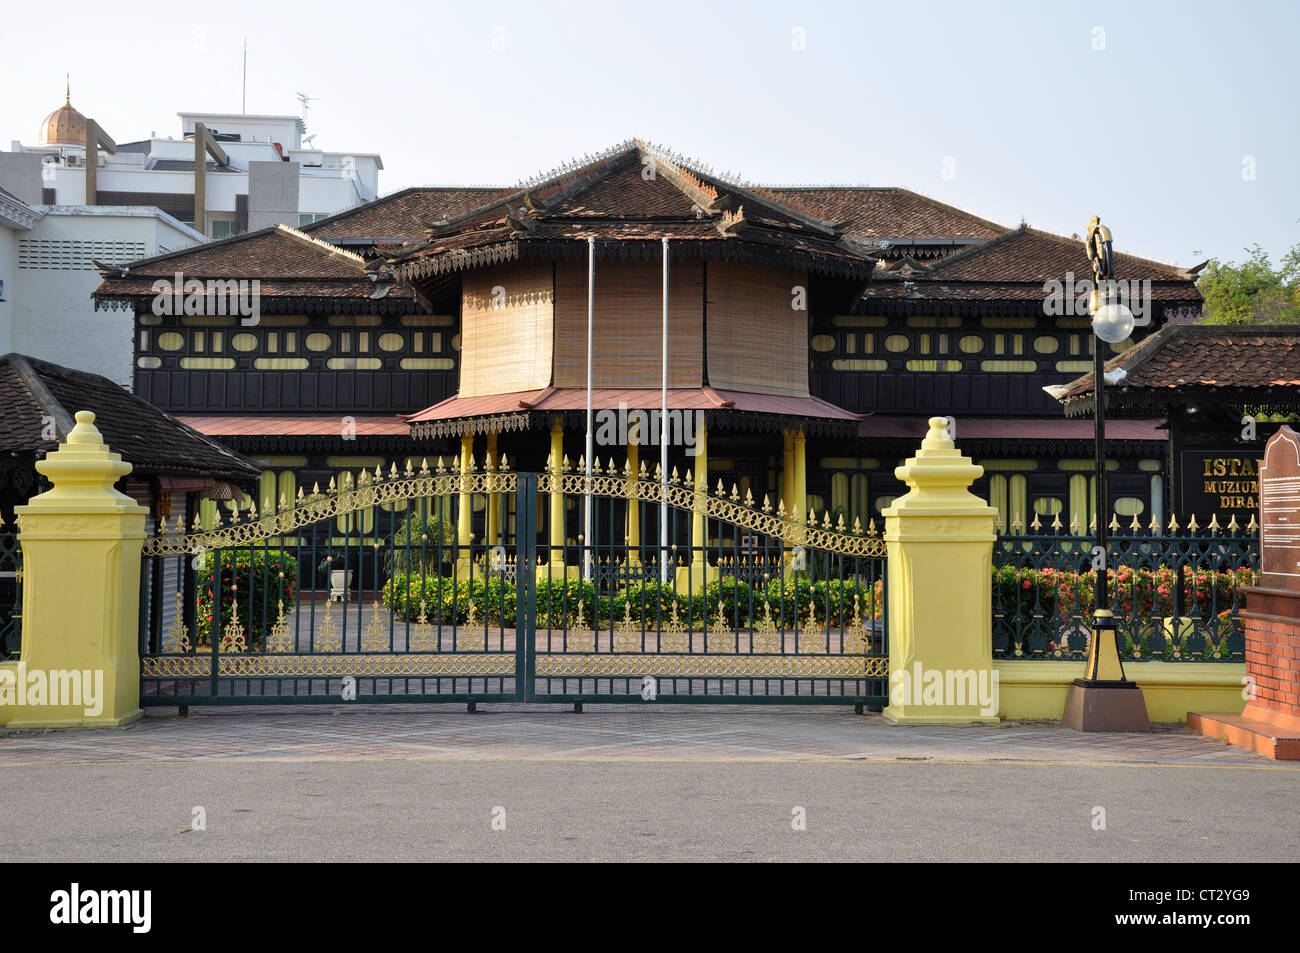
x,y
663,438
591,309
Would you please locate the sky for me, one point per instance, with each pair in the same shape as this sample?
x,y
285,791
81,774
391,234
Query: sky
x,y
1177,123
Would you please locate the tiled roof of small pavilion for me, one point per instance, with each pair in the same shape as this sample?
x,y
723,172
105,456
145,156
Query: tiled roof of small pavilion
x,y
1198,364
628,199
35,392
290,266
518,411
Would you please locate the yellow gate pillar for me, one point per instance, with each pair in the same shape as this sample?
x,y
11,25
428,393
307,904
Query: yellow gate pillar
x,y
81,593
939,538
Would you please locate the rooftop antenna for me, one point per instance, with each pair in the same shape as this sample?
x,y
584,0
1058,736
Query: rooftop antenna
x,y
243,96
306,101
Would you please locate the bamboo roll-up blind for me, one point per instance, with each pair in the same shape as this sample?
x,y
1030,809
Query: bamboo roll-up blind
x,y
506,336
627,337
757,342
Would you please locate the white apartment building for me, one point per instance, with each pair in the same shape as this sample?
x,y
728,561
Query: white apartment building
x,y
47,275
139,199
256,171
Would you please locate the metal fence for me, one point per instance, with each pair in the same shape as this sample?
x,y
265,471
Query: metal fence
x,y
723,601
11,595
1176,592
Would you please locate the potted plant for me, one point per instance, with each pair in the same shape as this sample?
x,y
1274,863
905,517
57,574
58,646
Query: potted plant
x,y
340,579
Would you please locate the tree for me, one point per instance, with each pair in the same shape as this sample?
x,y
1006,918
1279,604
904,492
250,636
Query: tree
x,y
1253,292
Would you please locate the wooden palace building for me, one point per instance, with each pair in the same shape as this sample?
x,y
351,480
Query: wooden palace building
x,y
810,334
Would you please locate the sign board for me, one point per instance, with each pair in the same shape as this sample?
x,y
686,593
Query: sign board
x,y
1218,482
1279,510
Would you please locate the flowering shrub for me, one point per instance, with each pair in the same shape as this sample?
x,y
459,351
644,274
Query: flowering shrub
x,y
260,579
1030,600
1134,591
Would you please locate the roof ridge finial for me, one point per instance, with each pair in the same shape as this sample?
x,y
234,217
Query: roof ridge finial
x,y
67,90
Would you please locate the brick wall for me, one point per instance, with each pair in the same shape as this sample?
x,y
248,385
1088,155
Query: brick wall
x,y
1273,650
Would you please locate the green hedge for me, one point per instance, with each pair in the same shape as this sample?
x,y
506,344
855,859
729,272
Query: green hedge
x,y
446,600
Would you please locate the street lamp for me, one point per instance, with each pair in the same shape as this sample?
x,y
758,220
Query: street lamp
x,y
1104,700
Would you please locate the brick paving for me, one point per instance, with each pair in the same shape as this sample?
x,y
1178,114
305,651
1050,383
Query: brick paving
x,y
602,733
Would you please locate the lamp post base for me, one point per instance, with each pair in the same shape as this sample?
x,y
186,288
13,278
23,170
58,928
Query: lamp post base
x,y
1105,706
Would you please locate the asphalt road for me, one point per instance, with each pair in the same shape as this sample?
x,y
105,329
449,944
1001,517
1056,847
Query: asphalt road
x,y
443,810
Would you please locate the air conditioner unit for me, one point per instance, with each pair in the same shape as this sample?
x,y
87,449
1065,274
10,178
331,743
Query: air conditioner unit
x,y
73,161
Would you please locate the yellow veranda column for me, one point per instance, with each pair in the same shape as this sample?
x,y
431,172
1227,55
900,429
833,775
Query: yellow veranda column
x,y
557,570
801,476
940,539
493,499
699,524
81,593
787,470
633,507
465,511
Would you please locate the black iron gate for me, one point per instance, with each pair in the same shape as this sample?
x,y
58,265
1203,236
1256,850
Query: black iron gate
x,y
471,589
11,595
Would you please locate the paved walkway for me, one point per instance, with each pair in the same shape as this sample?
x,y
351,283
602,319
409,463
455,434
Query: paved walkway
x,y
630,782
604,733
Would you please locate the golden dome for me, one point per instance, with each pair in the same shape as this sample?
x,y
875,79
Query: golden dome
x,y
65,126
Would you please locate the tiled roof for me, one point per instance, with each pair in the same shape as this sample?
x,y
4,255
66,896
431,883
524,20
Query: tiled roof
x,y
402,215
360,289
888,213
291,426
268,253
637,193
1017,267
918,288
1028,254
1180,359
427,231
612,398
32,391
286,262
